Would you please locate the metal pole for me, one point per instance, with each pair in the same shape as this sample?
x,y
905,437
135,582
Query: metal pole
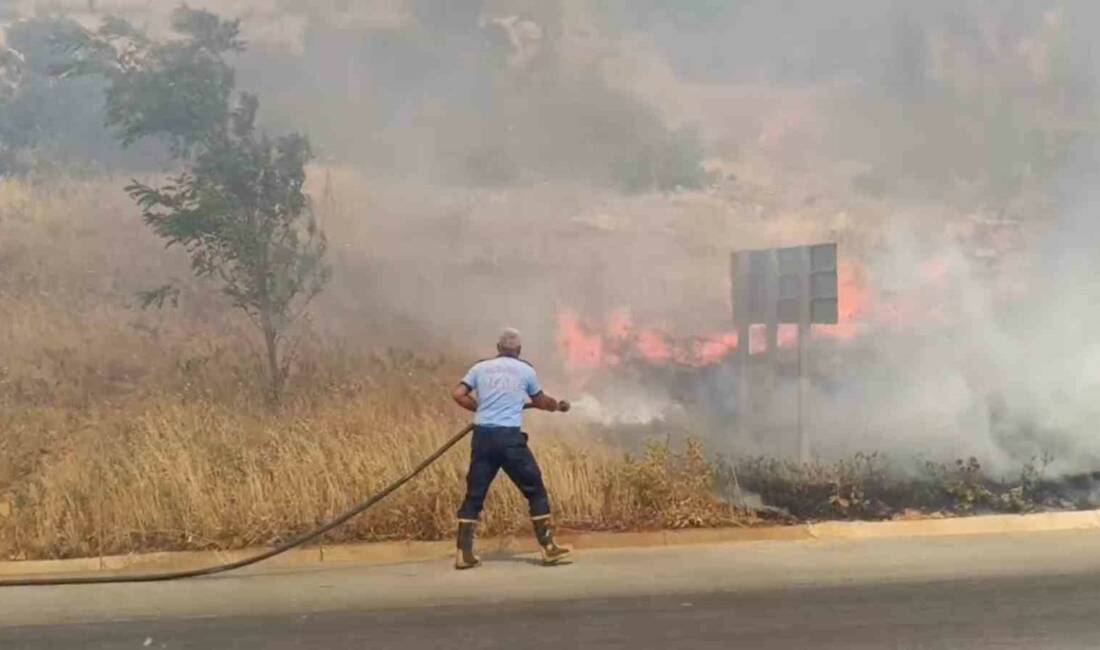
x,y
744,392
771,353
803,393
804,336
739,273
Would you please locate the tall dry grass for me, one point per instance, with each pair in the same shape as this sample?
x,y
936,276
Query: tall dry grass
x,y
124,430
172,474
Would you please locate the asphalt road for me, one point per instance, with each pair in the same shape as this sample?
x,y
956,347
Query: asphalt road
x,y
1025,591
1021,613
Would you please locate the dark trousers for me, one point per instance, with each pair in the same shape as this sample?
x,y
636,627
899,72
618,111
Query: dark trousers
x,y
494,449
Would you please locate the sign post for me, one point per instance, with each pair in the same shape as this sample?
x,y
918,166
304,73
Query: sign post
x,y
804,338
739,269
782,286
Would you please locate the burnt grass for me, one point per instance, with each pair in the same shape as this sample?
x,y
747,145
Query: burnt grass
x,y
869,487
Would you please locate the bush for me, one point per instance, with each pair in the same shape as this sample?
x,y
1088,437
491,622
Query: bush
x,y
671,489
867,487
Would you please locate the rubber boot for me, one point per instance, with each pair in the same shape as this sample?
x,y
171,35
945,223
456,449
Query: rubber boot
x,y
465,558
551,553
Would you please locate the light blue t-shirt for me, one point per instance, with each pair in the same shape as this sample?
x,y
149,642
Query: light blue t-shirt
x,y
503,386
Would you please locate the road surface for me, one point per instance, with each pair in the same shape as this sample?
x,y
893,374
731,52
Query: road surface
x,y
1038,590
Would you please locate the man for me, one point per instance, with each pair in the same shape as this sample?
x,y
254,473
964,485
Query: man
x,y
498,390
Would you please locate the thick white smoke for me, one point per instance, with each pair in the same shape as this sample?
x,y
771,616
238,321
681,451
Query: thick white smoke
x,y
499,161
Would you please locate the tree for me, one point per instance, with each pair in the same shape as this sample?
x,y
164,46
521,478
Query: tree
x,y
238,208
47,126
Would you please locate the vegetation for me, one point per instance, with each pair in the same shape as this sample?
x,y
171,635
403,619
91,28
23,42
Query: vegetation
x,y
168,475
127,430
51,127
124,429
867,486
238,208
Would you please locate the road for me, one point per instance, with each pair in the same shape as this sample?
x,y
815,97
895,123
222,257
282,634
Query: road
x,y
1016,591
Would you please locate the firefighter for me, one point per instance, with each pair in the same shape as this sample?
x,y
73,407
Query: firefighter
x,y
498,390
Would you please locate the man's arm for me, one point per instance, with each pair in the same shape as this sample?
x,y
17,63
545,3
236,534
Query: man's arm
x,y
539,399
544,402
463,398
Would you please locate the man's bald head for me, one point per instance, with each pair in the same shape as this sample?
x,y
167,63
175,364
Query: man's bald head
x,y
509,343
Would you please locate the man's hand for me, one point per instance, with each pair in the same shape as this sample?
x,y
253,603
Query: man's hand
x,y
461,395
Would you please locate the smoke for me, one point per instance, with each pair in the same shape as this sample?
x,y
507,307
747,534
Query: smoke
x,y
502,162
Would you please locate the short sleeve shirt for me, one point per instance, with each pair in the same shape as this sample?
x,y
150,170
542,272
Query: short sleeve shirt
x,y
503,387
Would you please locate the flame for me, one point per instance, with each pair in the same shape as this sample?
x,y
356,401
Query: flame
x,y
653,346
787,336
620,326
587,348
715,347
853,303
581,349
860,310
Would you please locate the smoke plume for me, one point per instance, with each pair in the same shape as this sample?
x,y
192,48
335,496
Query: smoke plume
x,y
570,166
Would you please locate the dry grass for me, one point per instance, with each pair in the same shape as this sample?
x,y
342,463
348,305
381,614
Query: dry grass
x,y
124,430
194,475
182,455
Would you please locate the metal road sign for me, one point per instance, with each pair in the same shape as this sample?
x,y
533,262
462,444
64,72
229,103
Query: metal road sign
x,y
782,286
776,285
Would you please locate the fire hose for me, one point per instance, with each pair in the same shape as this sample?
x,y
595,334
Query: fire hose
x,y
260,557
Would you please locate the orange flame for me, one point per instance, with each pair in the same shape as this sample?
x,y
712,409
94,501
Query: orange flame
x,y
715,347
585,348
653,346
589,348
853,302
581,350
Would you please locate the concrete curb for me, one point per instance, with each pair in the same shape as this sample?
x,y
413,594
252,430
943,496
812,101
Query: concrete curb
x,y
983,525
383,553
